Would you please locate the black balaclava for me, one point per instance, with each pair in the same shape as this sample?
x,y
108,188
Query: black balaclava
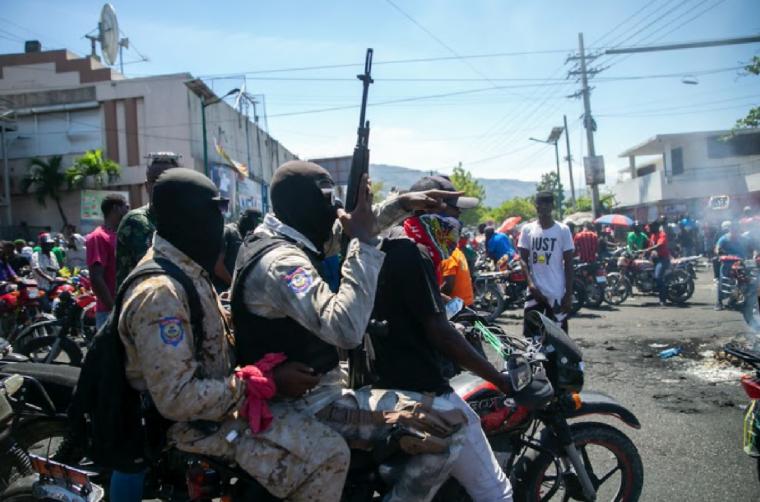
x,y
298,200
188,214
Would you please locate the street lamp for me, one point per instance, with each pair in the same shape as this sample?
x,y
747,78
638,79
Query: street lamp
x,y
204,104
553,139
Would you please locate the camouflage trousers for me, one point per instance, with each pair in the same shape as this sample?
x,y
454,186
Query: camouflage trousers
x,y
297,458
422,474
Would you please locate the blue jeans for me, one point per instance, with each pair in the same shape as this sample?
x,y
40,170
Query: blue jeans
x,y
126,486
100,319
661,266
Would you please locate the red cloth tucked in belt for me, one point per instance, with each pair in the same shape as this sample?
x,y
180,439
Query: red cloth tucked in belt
x,y
259,388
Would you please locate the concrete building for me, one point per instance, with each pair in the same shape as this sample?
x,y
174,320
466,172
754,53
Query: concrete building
x,y
678,173
62,104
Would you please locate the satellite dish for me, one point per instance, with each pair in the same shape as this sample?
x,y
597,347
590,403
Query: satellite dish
x,y
109,33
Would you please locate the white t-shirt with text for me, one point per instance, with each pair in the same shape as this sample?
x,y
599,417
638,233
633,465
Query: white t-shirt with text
x,y
546,246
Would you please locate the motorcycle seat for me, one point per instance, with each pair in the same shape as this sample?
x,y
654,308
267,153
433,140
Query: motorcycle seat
x,y
58,380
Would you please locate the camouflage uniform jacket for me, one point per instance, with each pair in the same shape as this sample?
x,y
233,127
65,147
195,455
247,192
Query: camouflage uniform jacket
x,y
133,238
284,283
155,329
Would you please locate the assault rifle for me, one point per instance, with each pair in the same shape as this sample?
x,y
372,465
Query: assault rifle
x,y
360,367
360,160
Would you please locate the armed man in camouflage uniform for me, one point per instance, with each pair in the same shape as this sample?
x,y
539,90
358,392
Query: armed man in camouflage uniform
x,y
135,232
280,303
297,457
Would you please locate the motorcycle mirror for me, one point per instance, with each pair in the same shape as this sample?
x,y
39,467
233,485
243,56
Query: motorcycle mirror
x,y
520,372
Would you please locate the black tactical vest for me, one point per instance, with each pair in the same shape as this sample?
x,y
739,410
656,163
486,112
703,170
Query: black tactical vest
x,y
256,335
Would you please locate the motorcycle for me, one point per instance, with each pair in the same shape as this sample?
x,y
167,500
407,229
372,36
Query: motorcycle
x,y
751,385
66,330
736,283
564,459
640,273
593,277
497,291
27,476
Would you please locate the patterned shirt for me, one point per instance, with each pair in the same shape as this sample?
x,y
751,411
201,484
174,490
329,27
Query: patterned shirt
x,y
586,246
133,238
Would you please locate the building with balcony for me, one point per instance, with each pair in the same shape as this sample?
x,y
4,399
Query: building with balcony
x,y
679,173
57,103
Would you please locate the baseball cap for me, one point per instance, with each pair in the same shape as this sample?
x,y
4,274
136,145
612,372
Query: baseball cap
x,y
441,183
46,238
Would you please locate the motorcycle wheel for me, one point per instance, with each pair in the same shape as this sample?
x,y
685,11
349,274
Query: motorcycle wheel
x,y
579,297
537,479
491,301
680,287
618,288
50,349
40,436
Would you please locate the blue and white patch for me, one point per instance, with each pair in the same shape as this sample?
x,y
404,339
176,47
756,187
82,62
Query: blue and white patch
x,y
298,280
171,330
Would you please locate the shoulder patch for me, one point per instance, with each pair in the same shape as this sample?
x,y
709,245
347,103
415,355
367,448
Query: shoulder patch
x,y
171,330
298,280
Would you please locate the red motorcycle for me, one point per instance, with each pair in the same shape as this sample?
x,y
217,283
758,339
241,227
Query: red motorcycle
x,y
20,307
751,385
582,460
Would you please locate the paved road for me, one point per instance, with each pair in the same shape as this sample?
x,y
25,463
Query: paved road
x,y
691,406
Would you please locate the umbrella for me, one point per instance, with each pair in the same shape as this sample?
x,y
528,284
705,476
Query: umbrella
x,y
579,218
615,219
509,224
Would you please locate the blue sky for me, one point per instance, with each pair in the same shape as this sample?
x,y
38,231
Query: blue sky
x,y
486,128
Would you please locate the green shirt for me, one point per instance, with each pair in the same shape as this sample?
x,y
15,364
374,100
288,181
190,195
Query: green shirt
x,y
637,241
133,238
60,255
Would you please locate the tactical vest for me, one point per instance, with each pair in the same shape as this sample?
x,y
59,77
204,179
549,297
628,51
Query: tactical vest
x,y
255,335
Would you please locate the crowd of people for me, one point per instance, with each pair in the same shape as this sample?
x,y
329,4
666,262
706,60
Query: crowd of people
x,y
293,306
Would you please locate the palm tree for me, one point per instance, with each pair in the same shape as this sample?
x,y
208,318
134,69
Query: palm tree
x,y
46,178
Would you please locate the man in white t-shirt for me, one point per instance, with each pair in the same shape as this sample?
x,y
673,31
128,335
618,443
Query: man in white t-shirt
x,y
546,250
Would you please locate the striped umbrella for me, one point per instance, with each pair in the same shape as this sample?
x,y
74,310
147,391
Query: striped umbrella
x,y
615,219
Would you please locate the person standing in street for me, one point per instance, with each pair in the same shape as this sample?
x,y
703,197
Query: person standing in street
x,y
546,250
658,245
586,244
101,255
44,263
135,233
732,243
76,256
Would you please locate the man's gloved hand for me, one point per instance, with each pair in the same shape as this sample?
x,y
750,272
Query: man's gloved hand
x,y
295,379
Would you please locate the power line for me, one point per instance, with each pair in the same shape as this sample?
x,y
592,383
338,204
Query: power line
x,y
621,23
440,42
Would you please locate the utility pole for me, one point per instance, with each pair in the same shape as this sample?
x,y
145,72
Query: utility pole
x,y
588,122
569,162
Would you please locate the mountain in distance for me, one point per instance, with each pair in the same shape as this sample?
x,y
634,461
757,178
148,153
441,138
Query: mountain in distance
x,y
497,190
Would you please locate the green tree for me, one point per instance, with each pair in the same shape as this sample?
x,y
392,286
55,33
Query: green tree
x,y
518,206
550,182
92,164
583,204
753,115
464,182
46,179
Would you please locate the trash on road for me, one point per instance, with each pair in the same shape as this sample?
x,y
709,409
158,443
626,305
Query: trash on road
x,y
671,352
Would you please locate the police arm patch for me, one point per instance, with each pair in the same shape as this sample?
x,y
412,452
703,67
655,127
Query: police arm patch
x,y
171,330
298,279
